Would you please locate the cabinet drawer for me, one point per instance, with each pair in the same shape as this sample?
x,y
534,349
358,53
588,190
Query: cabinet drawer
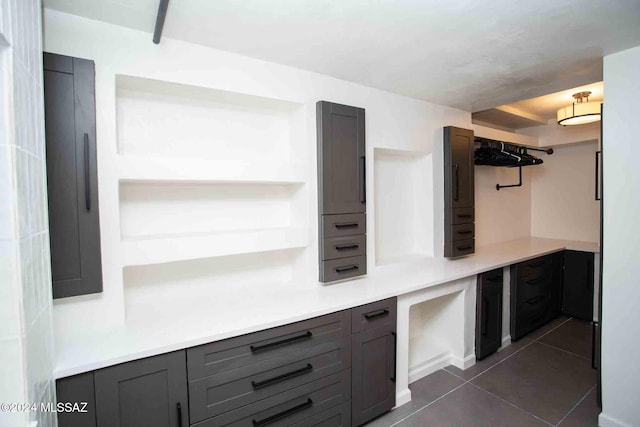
x,y
217,394
492,277
340,247
377,314
530,315
289,407
530,288
261,351
340,416
462,232
535,268
462,216
461,247
343,225
343,268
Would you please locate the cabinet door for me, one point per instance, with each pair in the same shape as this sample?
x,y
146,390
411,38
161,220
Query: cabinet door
x,y
150,392
373,367
459,168
577,295
341,159
72,180
489,313
77,389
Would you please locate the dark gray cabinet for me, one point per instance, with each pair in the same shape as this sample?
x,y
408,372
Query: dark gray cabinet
x,y
373,346
577,294
77,389
341,191
459,234
150,392
72,179
489,313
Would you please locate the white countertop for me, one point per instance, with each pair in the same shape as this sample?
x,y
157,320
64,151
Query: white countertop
x,y
237,313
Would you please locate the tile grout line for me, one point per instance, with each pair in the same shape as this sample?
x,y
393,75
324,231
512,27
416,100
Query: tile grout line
x,y
564,351
552,329
576,405
428,404
501,361
511,404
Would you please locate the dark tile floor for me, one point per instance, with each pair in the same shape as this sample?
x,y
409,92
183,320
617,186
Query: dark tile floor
x,y
544,379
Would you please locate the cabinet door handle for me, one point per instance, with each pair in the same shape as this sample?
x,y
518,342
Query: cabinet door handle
x,y
280,415
347,268
534,300
179,407
456,193
363,179
464,215
377,313
346,247
393,358
87,173
305,336
534,281
343,225
485,317
465,232
463,248
270,381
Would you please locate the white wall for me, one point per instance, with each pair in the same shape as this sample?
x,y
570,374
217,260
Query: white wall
x,y
621,269
393,123
26,340
563,204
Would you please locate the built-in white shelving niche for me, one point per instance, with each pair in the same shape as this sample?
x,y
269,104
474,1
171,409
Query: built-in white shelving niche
x,y
403,187
238,133
185,288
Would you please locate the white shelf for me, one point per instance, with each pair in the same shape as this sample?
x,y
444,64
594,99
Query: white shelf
x,y
143,251
163,169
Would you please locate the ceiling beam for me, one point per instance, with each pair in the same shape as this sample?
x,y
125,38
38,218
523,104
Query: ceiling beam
x,y
524,114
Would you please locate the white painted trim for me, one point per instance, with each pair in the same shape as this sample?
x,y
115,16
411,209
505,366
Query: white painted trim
x,y
465,363
403,397
506,341
605,420
430,366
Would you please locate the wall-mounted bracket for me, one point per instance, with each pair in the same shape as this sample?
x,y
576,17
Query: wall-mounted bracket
x,y
519,184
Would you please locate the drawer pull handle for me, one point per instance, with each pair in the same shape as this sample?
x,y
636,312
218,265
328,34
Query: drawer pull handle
x,y
347,268
179,407
464,215
463,248
287,412
393,359
343,225
347,247
377,313
465,232
257,348
264,383
534,281
534,300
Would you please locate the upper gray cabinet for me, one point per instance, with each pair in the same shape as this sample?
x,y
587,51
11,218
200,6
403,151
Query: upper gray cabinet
x,y
342,197
458,192
341,159
72,178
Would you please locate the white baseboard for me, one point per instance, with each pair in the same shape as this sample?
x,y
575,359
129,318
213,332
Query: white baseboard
x,y
403,397
429,366
505,342
605,420
465,363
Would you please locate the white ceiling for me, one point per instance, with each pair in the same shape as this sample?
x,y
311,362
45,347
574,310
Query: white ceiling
x,y
468,54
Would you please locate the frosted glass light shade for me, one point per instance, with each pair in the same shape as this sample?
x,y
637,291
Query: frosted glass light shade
x,y
579,113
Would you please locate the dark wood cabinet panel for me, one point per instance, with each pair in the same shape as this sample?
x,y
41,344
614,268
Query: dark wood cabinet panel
x,y
341,159
531,301
489,313
72,178
77,389
458,191
150,392
373,360
577,295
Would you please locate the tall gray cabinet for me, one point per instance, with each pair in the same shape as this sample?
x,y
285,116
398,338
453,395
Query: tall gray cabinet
x,y
72,178
459,210
342,197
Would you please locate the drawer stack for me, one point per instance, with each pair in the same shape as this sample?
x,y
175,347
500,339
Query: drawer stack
x,y
534,286
341,191
298,374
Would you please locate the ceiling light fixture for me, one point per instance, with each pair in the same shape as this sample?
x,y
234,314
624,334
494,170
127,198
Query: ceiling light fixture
x,y
580,112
